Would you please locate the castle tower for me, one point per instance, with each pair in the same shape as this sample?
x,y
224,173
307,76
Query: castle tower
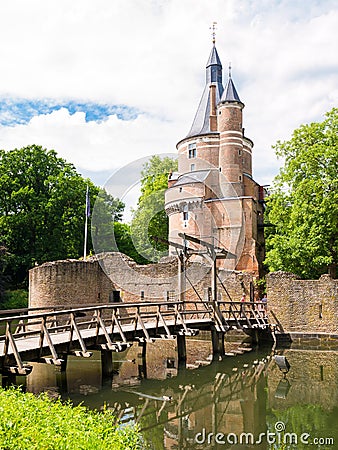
x,y
213,196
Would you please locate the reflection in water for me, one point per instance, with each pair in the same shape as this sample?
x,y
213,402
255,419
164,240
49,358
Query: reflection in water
x,y
245,393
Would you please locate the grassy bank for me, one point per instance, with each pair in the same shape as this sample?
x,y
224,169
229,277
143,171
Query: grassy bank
x,y
30,422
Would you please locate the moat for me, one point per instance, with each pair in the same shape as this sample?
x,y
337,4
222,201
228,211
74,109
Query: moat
x,y
243,401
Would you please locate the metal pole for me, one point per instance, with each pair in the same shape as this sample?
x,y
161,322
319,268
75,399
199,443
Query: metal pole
x,y
86,225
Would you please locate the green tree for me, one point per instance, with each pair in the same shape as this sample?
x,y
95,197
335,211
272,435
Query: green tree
x,y
107,211
42,208
2,271
150,219
304,204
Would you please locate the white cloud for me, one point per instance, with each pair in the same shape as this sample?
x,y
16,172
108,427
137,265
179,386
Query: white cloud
x,y
151,56
94,146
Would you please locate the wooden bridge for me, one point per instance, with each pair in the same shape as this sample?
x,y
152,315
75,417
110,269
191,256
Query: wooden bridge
x,y
50,336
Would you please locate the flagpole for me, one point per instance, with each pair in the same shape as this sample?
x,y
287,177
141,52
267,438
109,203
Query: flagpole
x,y
86,226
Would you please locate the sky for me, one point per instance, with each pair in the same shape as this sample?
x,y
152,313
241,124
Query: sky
x,y
108,82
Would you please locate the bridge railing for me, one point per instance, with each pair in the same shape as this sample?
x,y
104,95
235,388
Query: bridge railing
x,y
111,323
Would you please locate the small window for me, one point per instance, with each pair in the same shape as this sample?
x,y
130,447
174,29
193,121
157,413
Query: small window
x,y
142,295
180,189
192,150
170,296
185,215
115,297
192,167
240,178
220,169
170,363
239,152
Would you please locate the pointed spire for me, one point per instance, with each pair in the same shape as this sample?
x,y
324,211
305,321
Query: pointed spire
x,y
213,58
230,94
201,124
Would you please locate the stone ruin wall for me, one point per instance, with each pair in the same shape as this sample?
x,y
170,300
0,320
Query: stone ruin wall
x,y
304,306
72,283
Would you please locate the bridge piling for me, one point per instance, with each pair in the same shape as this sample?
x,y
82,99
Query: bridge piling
x,y
64,361
181,351
217,339
142,367
106,363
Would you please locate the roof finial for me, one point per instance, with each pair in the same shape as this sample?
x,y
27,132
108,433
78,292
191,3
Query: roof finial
x,y
213,34
230,69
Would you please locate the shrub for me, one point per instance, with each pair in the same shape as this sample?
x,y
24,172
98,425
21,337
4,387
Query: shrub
x,y
15,299
28,422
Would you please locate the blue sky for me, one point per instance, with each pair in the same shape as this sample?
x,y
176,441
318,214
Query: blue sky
x,y
107,82
14,111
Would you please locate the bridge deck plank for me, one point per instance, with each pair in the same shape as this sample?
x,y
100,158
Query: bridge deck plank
x,y
30,344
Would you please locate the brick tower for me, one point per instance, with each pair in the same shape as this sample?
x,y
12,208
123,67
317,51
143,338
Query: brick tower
x,y
213,195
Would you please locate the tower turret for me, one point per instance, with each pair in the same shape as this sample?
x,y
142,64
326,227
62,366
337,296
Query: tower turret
x,y
201,123
229,122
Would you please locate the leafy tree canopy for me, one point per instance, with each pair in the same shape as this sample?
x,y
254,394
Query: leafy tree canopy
x,y
149,218
304,203
42,208
2,270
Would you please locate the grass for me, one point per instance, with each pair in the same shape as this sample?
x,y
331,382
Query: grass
x,y
31,422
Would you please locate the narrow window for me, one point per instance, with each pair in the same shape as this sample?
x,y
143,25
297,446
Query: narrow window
x,y
170,299
240,178
192,167
142,295
192,150
114,297
185,215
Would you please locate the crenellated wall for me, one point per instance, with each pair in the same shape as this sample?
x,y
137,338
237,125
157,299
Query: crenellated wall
x,y
304,306
95,281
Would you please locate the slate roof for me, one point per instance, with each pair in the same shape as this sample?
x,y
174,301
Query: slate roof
x,y
201,123
230,93
213,76
193,177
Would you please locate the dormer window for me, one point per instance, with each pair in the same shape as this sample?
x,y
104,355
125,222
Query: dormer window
x,y
192,150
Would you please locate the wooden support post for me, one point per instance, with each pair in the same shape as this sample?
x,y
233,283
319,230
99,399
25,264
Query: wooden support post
x,y
181,277
217,339
254,336
64,360
106,363
142,367
181,351
61,379
214,281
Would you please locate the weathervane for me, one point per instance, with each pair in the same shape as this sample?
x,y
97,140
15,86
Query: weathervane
x,y
213,34
230,69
